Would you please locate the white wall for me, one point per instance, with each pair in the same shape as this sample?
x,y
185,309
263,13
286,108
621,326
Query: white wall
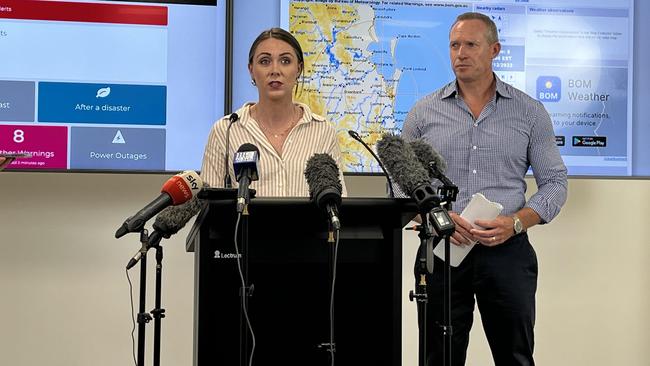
x,y
593,291
64,298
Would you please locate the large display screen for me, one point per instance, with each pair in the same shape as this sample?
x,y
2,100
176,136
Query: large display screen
x,y
135,86
110,86
369,61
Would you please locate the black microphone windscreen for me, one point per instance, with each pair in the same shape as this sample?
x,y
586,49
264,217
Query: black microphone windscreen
x,y
402,163
426,154
245,161
322,175
248,147
173,218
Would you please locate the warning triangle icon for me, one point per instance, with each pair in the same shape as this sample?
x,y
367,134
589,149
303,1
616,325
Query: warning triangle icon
x,y
118,139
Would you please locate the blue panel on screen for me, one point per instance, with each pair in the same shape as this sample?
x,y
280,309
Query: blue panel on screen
x,y
549,89
117,148
102,103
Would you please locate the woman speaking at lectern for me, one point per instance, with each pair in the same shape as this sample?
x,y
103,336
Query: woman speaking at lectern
x,y
286,133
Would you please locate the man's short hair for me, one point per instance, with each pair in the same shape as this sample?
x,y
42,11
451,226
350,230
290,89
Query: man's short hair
x,y
491,35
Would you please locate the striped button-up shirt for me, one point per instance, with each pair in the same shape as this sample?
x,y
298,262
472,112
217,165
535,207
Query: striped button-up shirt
x,y
492,153
279,176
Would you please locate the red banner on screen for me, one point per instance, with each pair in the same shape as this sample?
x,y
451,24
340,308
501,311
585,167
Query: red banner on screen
x,y
83,12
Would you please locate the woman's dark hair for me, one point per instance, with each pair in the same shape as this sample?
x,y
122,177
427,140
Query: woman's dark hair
x,y
283,35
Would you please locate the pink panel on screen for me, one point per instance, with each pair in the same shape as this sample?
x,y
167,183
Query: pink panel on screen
x,y
47,144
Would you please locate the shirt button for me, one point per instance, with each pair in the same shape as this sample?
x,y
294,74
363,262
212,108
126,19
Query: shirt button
x,y
475,124
474,147
474,171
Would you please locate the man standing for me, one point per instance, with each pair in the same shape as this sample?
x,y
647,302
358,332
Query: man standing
x,y
490,134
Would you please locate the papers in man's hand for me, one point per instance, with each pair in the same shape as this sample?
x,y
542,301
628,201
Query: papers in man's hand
x,y
479,208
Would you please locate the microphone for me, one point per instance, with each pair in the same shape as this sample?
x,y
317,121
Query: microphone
x,y
356,136
172,219
409,174
322,175
227,180
245,166
169,222
434,163
431,160
405,167
177,190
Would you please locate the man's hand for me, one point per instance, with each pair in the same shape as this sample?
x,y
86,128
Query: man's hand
x,y
502,228
462,236
496,231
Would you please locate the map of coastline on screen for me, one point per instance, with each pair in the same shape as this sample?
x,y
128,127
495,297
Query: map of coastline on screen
x,y
368,62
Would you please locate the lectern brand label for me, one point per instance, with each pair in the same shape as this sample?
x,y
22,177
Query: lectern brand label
x,y
219,255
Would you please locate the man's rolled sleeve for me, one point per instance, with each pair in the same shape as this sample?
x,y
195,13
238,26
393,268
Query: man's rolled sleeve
x,y
548,168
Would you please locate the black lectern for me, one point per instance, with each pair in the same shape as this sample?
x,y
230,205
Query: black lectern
x,y
289,271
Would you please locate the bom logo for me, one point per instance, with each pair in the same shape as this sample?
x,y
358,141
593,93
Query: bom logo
x,y
549,89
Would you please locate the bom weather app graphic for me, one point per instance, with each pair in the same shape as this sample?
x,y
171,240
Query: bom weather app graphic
x,y
549,89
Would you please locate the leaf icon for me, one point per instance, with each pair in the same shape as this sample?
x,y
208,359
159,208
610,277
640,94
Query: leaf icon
x,y
103,92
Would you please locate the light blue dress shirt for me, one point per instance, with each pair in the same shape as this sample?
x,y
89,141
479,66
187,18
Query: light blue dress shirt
x,y
492,154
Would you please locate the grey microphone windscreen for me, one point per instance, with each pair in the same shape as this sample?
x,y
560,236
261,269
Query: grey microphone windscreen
x,y
172,219
322,175
402,163
426,154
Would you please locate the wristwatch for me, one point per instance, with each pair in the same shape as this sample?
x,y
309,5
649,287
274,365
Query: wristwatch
x,y
518,226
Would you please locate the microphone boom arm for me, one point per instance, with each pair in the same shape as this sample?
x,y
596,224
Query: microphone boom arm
x,y
356,136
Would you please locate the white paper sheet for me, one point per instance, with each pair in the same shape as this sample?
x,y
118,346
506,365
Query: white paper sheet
x,y
479,208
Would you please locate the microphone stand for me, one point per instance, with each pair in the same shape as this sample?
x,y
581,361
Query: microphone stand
x,y
420,294
158,312
148,242
143,316
448,191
